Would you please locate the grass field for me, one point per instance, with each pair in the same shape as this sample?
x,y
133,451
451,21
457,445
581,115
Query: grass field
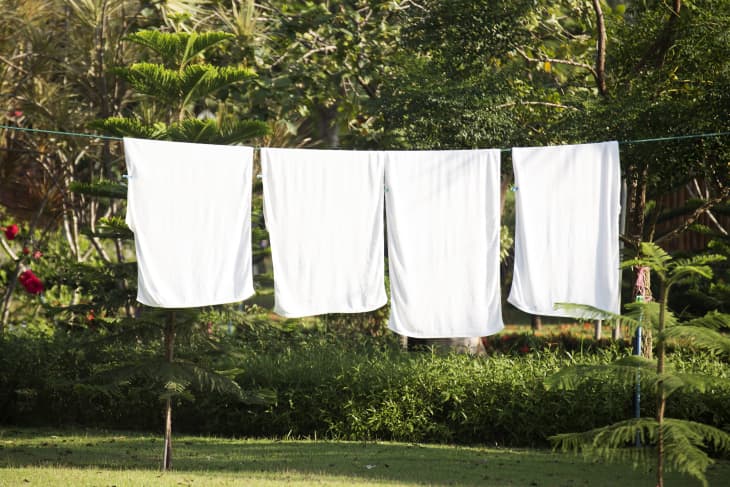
x,y
86,458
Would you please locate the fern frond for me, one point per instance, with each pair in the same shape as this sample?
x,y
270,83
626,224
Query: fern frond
x,y
714,320
652,256
241,131
129,127
587,312
198,81
688,272
704,338
193,130
113,227
611,443
208,131
153,80
623,369
647,314
100,189
696,382
178,49
684,444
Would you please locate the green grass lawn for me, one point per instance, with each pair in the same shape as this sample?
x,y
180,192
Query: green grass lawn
x,y
80,458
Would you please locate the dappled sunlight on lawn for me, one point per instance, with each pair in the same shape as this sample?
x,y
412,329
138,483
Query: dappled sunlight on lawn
x,y
226,462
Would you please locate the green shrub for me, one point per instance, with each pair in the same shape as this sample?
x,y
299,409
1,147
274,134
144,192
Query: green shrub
x,y
358,388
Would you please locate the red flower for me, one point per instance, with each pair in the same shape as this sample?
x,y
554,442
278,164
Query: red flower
x,y
30,282
11,231
37,254
26,251
524,349
90,315
17,113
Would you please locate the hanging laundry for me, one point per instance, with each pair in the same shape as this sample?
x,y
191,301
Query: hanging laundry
x,y
324,214
443,224
189,206
566,237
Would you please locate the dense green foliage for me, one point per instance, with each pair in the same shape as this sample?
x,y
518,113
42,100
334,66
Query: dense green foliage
x,y
347,388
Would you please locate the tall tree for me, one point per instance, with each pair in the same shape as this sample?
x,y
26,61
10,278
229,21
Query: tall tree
x,y
175,91
680,443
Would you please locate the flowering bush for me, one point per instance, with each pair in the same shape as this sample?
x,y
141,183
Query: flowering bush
x,y
26,278
30,282
11,231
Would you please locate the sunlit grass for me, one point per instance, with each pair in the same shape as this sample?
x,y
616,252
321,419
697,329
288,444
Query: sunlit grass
x,y
32,457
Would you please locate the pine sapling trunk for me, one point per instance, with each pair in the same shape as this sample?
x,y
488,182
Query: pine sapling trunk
x,y
169,343
661,394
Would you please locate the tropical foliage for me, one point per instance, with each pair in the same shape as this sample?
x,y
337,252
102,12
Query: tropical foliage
x,y
681,443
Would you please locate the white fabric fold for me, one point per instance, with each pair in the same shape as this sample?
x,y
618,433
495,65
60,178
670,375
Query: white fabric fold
x,y
324,214
189,206
566,237
443,224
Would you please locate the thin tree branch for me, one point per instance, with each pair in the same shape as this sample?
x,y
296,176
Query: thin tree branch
x,y
600,70
542,103
543,59
724,194
698,195
13,65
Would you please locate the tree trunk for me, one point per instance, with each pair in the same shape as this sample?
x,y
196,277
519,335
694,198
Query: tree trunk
x,y
471,346
661,392
169,349
327,125
642,292
600,69
598,329
535,323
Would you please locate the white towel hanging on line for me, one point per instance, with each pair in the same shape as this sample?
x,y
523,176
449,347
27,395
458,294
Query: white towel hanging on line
x,y
567,216
324,214
443,225
189,206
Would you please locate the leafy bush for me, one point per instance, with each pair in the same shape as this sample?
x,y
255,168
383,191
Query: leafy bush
x,y
358,388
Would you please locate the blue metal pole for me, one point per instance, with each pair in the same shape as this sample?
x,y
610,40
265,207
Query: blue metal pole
x,y
637,391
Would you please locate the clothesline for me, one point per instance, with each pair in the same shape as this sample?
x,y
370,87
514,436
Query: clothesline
x,y
112,137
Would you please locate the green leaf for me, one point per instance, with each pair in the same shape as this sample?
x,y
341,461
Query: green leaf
x,y
179,48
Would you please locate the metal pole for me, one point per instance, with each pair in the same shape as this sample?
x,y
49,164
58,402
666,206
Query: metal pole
x,y
637,391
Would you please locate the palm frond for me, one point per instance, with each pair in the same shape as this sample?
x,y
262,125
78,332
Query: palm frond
x,y
704,338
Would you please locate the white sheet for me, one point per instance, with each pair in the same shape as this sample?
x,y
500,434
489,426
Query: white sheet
x,y
566,237
189,206
324,214
443,226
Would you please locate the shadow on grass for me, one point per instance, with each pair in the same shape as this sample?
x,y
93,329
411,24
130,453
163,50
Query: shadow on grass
x,y
391,462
